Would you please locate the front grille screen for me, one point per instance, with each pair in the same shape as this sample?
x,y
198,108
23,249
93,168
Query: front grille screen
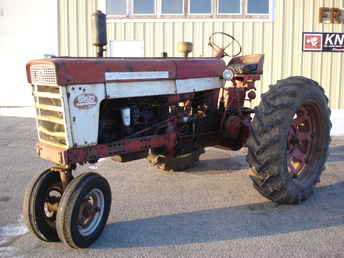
x,y
50,115
43,74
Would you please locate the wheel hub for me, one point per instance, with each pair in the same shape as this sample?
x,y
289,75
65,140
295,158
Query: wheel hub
x,y
300,140
90,212
51,201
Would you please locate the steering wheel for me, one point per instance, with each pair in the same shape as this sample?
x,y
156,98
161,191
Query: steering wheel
x,y
217,48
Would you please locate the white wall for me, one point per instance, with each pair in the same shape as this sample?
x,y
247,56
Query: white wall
x,y
28,30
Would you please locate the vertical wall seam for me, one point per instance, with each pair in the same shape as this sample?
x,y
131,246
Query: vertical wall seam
x,y
193,37
262,52
202,37
321,54
253,37
272,53
292,39
59,30
144,43
312,24
164,37
173,38
303,29
331,65
87,30
153,41
242,35
283,39
67,32
341,76
77,28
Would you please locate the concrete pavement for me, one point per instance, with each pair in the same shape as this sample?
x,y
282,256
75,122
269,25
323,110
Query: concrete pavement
x,y
211,211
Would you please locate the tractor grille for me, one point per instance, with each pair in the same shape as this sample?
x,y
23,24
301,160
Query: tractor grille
x,y
43,74
50,116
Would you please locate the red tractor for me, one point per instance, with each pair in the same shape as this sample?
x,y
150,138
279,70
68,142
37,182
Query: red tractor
x,y
166,110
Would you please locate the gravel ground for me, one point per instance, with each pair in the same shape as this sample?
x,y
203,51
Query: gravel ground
x,y
211,211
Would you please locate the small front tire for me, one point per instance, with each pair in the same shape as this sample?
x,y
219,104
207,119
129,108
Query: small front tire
x,y
83,210
41,196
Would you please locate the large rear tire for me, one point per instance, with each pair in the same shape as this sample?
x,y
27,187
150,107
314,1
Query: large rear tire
x,y
289,142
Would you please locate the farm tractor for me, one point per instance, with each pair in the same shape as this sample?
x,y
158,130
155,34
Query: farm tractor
x,y
166,110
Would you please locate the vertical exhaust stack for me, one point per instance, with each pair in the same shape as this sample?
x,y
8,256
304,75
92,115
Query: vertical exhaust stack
x,y
99,36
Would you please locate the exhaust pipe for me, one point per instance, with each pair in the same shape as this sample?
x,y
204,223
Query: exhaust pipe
x,y
99,36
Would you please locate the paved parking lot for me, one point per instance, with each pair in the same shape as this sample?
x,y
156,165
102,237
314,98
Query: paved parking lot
x,y
211,211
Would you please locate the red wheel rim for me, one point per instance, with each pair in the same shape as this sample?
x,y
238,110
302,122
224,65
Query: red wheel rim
x,y
304,135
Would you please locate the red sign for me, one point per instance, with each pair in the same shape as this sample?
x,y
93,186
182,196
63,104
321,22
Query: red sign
x,y
312,42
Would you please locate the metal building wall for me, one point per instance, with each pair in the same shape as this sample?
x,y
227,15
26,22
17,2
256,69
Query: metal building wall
x,y
280,40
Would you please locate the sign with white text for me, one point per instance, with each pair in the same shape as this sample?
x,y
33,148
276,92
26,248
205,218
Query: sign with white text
x,y
323,42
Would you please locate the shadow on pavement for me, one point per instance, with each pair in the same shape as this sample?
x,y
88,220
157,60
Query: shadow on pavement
x,y
336,154
324,209
225,165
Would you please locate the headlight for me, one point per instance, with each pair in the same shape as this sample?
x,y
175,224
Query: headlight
x,y
228,74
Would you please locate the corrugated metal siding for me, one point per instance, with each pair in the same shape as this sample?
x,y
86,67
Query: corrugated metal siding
x,y
75,27
280,41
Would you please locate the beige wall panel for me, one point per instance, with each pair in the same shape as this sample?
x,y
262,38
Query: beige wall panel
x,y
308,22
178,35
82,29
326,79
120,31
318,57
269,62
258,36
63,28
187,32
129,31
248,38
337,86
207,31
139,31
92,7
149,39
74,28
198,39
280,40
288,36
327,67
297,61
238,31
111,32
169,40
158,37
257,47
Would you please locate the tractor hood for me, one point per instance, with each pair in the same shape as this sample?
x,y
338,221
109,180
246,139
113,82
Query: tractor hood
x,y
70,70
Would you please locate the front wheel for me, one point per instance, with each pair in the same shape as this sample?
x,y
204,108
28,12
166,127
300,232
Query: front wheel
x,y
41,199
289,142
83,210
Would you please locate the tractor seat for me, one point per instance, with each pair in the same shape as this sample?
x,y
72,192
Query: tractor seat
x,y
250,64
